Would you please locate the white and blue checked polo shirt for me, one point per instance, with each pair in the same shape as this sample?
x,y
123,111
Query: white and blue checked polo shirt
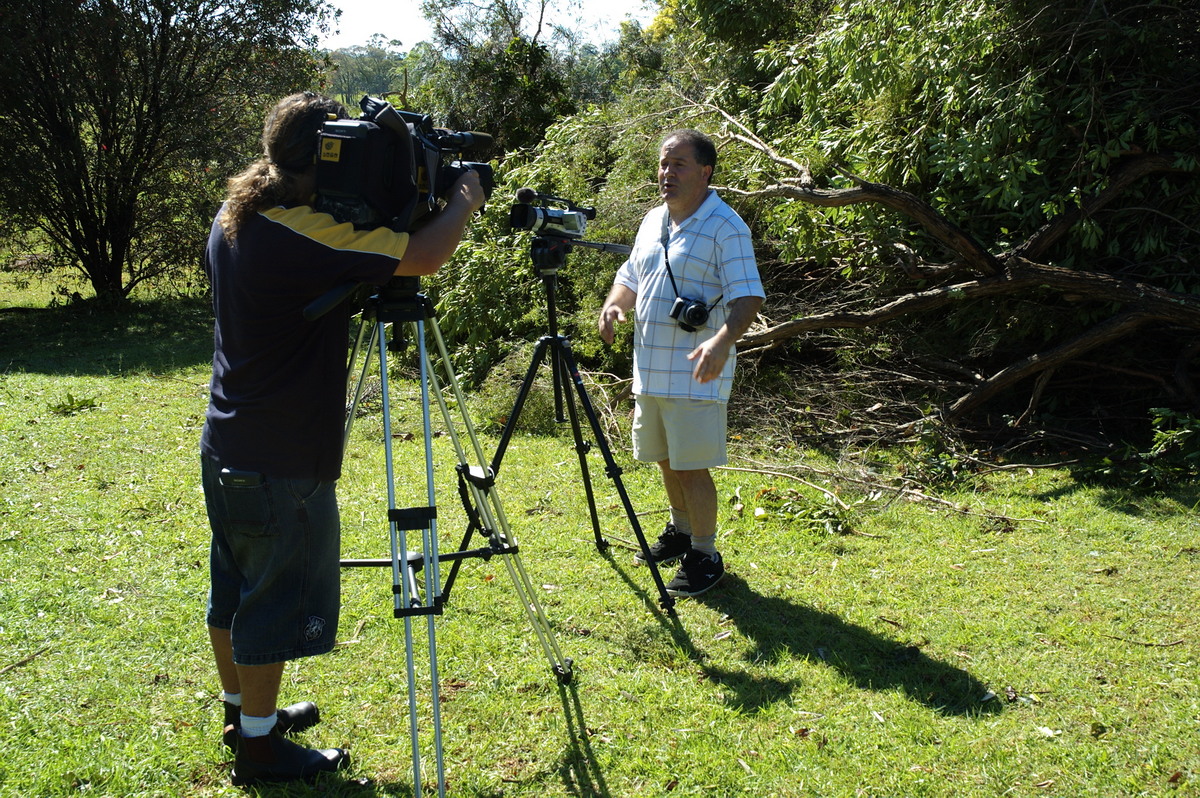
x,y
711,256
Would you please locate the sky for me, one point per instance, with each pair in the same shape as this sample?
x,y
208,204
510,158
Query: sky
x,y
402,20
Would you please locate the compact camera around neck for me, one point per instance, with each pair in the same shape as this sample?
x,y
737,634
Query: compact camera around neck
x,y
690,313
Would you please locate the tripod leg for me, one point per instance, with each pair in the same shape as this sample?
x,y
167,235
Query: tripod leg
x,y
526,385
360,339
564,368
613,470
432,559
408,598
489,514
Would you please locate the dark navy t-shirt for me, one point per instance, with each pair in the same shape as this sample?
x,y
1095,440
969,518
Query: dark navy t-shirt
x,y
278,392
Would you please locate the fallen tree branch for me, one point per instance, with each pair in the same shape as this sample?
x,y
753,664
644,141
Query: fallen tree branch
x,y
1020,275
1172,644
874,484
1111,330
1014,273
954,238
832,496
1129,172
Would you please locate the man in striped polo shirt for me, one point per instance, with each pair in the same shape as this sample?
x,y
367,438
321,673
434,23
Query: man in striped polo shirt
x,y
693,284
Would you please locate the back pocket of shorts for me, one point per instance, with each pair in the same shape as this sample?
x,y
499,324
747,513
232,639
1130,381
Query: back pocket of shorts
x,y
248,510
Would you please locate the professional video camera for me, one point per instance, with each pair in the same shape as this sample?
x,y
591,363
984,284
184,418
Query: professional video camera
x,y
391,168
569,221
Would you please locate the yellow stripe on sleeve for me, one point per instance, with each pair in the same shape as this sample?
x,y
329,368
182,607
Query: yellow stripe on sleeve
x,y
324,229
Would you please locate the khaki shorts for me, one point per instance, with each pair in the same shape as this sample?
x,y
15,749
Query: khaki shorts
x,y
689,433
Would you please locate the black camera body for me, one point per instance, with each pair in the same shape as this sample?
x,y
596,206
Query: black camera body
x,y
391,168
690,313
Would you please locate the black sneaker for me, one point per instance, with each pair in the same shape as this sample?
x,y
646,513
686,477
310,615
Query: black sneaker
x,y
670,546
289,720
697,573
274,758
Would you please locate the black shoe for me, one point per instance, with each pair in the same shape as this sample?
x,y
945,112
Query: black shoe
x,y
697,573
288,720
275,758
670,546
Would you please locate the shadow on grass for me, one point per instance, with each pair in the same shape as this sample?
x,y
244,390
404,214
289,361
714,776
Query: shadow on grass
x,y
780,629
330,786
1120,492
580,769
96,340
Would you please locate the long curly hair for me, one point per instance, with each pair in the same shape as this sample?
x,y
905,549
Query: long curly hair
x,y
289,142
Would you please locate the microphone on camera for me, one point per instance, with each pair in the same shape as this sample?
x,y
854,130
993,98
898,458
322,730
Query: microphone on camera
x,y
467,140
528,196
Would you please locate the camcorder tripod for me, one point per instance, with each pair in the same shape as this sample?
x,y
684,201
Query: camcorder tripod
x,y
549,254
399,307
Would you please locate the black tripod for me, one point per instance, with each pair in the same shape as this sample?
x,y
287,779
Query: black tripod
x,y
399,305
549,254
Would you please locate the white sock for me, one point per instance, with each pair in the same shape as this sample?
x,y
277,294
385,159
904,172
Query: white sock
x,y
681,521
232,698
257,727
706,545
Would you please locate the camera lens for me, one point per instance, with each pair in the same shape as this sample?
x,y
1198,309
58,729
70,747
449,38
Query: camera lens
x,y
695,314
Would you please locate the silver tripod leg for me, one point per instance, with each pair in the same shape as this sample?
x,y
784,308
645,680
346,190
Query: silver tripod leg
x,y
409,598
493,519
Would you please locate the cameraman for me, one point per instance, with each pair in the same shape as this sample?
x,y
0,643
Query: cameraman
x,y
692,254
272,441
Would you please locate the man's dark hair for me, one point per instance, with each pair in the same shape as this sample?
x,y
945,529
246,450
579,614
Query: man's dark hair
x,y
289,141
702,145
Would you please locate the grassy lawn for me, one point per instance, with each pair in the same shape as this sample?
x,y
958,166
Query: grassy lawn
x,y
1021,633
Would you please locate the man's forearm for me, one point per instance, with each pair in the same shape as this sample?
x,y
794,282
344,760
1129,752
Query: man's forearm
x,y
710,356
741,314
622,297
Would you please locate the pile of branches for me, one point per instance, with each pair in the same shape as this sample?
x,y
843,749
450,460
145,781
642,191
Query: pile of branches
x,y
964,394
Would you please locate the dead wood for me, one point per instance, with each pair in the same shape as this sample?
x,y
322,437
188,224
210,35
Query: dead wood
x,y
972,273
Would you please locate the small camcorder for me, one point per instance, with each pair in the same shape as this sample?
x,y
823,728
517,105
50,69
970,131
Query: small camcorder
x,y
690,313
567,221
392,168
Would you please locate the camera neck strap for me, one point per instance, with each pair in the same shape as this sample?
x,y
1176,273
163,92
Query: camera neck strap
x,y
666,245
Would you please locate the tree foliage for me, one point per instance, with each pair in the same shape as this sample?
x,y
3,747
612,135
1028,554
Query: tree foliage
x,y
128,114
503,69
1050,135
968,193
1013,111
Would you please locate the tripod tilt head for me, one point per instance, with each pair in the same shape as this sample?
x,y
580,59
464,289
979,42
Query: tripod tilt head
x,y
549,254
398,300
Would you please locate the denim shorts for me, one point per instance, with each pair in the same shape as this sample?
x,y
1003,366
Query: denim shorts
x,y
275,563
688,433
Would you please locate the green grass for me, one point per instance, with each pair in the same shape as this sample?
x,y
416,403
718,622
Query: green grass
x,y
825,665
